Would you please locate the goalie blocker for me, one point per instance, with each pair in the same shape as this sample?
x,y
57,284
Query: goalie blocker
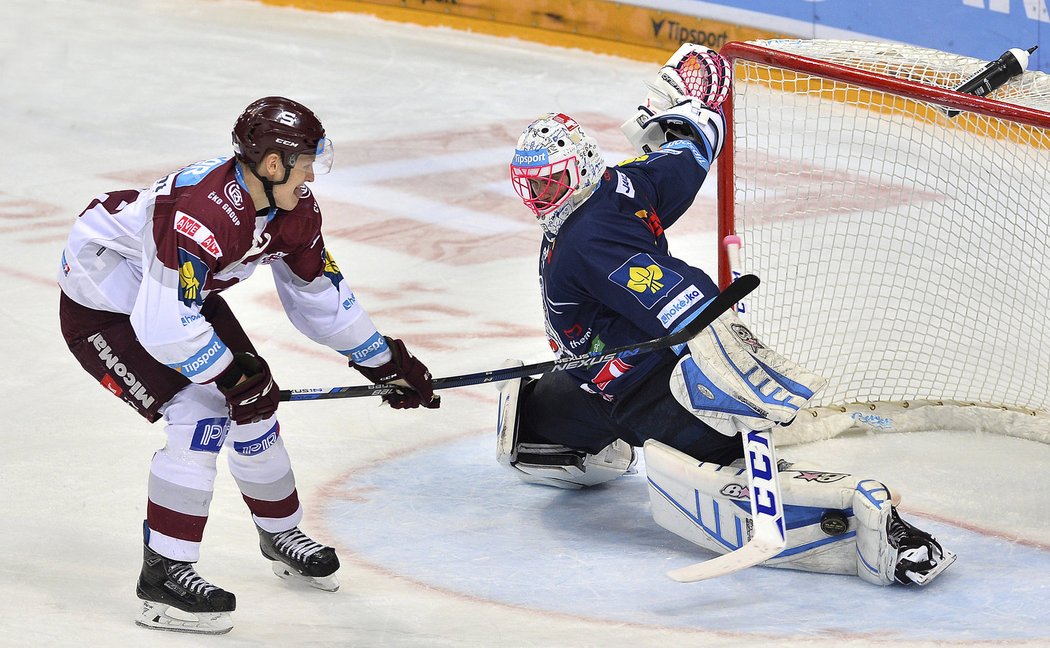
x,y
837,523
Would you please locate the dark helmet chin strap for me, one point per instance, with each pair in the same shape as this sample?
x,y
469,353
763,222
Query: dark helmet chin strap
x,y
268,185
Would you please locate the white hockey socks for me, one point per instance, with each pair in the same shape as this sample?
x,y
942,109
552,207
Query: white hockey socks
x,y
551,464
734,383
836,523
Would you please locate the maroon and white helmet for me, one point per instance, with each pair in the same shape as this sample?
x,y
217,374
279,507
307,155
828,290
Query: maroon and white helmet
x,y
285,126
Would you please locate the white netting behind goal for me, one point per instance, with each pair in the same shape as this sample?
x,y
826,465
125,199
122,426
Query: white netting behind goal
x,y
904,254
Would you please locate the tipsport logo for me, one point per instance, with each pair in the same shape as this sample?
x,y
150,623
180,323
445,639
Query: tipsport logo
x,y
534,158
204,358
646,279
673,31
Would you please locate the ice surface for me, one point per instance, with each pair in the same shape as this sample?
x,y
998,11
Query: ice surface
x,y
440,546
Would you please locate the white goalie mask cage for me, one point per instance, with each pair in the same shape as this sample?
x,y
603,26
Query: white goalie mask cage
x,y
556,167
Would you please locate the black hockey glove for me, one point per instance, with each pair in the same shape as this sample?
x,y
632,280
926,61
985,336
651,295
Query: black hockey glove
x,y
406,369
256,397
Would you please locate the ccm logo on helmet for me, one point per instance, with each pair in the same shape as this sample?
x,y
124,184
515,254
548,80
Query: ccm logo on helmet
x,y
286,142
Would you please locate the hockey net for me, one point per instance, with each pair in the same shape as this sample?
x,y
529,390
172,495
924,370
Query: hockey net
x,y
904,254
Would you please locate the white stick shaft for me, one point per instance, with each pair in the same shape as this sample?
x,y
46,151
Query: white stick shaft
x,y
768,533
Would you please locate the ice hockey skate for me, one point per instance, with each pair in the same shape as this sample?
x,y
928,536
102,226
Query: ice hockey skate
x,y
298,558
176,598
920,558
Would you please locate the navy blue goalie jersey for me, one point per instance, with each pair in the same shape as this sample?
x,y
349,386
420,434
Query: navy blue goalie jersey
x,y
608,279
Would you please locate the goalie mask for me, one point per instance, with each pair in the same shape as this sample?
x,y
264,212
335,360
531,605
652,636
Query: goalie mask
x,y
556,167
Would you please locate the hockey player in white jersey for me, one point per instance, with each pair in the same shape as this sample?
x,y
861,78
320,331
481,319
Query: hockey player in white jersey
x,y
608,279
141,310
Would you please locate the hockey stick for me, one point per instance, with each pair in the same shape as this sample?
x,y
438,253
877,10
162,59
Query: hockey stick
x,y
725,300
768,532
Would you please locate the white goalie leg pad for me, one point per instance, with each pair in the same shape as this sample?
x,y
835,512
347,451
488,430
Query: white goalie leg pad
x,y
836,523
552,464
507,417
734,383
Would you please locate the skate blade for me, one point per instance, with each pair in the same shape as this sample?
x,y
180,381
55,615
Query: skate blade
x,y
160,616
921,579
325,583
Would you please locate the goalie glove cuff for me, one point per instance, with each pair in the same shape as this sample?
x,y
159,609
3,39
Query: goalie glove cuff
x,y
648,130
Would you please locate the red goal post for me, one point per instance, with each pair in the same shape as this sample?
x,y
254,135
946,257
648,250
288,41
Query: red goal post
x,y
904,254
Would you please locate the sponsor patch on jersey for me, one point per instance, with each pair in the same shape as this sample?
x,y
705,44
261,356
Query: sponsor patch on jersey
x,y
370,347
652,221
646,279
688,145
259,445
194,173
331,270
624,185
349,302
203,359
679,304
119,376
577,337
192,275
210,434
189,226
235,195
609,372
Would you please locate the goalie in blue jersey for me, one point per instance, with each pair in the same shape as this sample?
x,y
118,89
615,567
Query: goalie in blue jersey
x,y
608,279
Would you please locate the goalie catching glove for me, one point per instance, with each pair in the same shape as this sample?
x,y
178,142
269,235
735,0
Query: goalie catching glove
x,y
684,102
692,72
403,370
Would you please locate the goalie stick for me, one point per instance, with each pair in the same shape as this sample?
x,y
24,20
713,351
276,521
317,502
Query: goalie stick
x,y
768,530
725,300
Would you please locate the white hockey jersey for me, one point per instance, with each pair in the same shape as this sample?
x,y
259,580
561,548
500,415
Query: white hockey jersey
x,y
157,253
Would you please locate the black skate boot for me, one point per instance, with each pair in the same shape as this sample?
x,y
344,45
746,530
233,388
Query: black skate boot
x,y
920,557
174,597
296,557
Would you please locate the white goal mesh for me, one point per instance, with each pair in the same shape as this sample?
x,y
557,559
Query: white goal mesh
x,y
905,255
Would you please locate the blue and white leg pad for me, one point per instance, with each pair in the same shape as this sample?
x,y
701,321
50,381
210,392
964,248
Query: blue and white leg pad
x,y
836,523
552,464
